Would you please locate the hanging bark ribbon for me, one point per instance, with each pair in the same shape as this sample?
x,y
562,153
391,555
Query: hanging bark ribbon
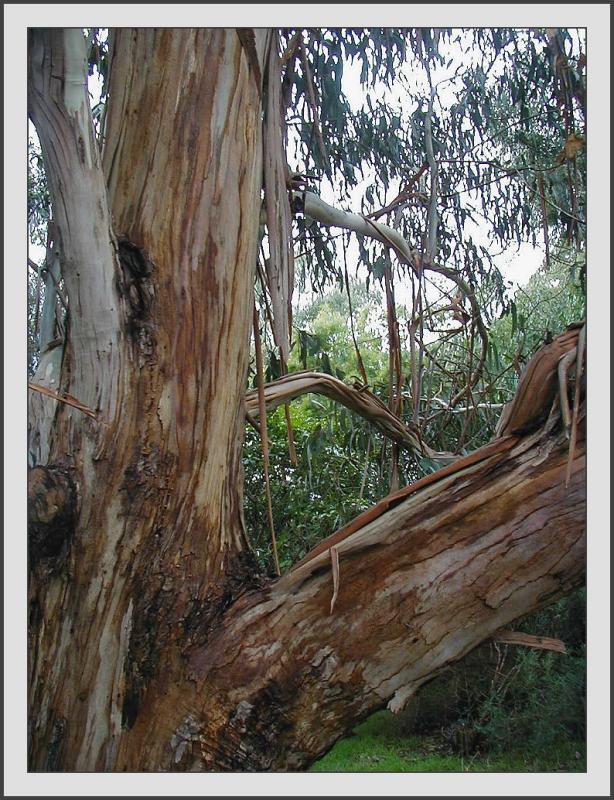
x,y
280,264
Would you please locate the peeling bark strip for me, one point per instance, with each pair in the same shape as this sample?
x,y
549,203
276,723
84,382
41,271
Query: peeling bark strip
x,y
67,399
264,437
529,640
248,42
279,266
360,400
537,386
334,560
489,451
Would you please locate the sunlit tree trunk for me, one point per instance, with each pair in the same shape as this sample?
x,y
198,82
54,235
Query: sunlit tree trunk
x,y
154,643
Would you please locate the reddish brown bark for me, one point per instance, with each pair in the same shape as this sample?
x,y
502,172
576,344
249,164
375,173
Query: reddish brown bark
x,y
159,538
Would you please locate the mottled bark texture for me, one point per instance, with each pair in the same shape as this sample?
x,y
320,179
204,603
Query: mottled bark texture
x,y
153,642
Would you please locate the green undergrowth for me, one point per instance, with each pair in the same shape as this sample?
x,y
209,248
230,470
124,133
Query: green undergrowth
x,y
381,744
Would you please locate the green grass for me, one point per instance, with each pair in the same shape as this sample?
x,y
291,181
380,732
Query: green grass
x,y
381,745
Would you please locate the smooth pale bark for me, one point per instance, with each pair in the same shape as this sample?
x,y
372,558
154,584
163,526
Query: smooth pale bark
x,y
59,107
315,207
41,409
153,642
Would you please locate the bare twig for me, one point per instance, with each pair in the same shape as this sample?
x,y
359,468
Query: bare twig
x,y
366,470
403,196
542,197
361,366
432,217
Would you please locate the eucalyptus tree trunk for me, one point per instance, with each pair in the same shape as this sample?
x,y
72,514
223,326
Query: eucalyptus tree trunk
x,y
154,643
160,312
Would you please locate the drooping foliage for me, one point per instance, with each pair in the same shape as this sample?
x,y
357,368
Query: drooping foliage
x,y
468,143
501,107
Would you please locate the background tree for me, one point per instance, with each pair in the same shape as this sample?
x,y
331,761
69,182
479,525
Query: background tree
x,y
155,640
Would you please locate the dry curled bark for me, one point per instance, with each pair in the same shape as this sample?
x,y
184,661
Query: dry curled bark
x,y
359,400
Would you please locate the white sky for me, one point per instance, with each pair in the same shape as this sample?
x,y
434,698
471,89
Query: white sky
x,y
516,264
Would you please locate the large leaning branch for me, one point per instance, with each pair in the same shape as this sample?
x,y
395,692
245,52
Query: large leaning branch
x,y
416,588
375,612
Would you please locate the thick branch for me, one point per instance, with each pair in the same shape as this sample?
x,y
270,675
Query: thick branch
x,y
417,588
315,207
